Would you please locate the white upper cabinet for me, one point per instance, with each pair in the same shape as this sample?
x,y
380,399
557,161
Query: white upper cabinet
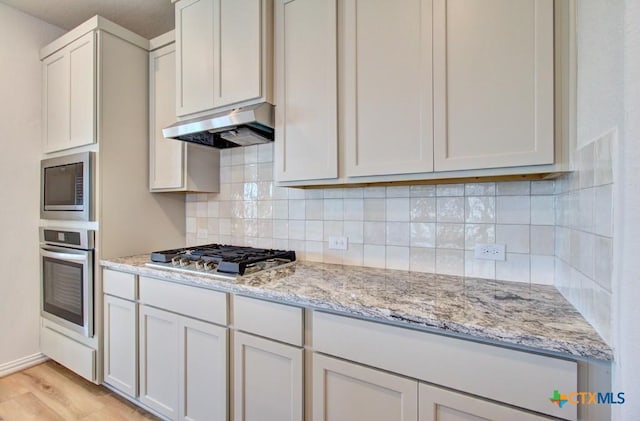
x,y
386,91
69,86
306,143
166,155
174,165
195,46
223,53
424,88
239,61
493,83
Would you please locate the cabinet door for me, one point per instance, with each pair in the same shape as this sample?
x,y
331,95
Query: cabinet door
x,y
344,391
306,146
55,69
159,364
386,68
69,88
196,49
493,83
203,371
237,67
267,379
166,156
120,345
83,76
438,404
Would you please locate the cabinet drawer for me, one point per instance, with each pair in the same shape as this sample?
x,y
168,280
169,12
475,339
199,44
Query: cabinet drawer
x,y
119,284
71,354
199,303
518,378
276,321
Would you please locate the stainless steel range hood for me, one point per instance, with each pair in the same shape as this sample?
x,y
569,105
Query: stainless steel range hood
x,y
244,126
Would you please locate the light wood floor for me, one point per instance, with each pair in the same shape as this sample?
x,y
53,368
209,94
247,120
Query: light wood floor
x,y
51,392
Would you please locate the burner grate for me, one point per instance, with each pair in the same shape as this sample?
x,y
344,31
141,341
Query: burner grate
x,y
228,259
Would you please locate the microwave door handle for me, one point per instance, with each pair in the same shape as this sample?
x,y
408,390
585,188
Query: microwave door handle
x,y
64,256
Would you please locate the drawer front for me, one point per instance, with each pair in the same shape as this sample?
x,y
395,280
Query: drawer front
x,y
276,321
518,378
199,303
71,354
119,284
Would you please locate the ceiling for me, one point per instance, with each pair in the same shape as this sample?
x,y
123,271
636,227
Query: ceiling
x,y
148,18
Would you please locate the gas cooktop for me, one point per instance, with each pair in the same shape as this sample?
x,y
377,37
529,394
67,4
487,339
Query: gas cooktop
x,y
220,260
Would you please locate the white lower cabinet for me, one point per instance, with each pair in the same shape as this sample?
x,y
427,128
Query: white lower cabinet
x,y
183,366
438,404
203,374
268,380
168,348
159,381
343,391
120,345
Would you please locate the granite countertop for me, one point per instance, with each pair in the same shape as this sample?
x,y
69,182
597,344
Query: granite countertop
x,y
534,317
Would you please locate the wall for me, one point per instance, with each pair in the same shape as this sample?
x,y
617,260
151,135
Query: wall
x,y
419,228
626,284
20,136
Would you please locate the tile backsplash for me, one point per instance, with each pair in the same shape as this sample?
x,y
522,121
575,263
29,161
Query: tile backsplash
x,y
584,233
426,228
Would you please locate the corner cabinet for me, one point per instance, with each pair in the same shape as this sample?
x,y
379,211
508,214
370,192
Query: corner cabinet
x,y
69,95
438,93
224,50
174,166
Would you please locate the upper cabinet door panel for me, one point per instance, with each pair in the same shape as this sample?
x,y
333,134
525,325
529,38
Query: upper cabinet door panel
x,y
166,155
386,69
493,81
239,29
56,101
69,80
306,146
82,59
196,49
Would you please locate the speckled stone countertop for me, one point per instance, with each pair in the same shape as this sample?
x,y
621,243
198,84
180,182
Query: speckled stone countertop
x,y
508,313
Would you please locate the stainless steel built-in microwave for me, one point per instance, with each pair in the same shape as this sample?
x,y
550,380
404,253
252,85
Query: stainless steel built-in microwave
x,y
66,187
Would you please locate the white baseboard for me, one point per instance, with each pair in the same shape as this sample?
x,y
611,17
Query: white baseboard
x,y
22,363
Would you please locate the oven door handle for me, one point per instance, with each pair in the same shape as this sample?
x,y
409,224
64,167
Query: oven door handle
x,y
63,256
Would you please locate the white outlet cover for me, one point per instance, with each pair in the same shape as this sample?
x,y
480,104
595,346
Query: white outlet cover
x,y
490,252
338,243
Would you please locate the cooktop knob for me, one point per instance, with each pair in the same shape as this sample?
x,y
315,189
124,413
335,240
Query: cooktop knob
x,y
199,264
209,266
175,261
185,262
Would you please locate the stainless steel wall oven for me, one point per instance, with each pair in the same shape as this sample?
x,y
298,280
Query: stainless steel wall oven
x,y
67,275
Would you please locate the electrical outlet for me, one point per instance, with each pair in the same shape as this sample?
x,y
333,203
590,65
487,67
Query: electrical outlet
x,y
490,251
338,243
